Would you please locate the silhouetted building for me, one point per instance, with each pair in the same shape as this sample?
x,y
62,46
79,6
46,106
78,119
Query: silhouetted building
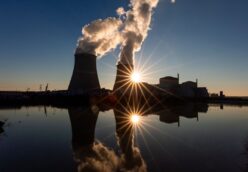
x,y
214,95
202,92
84,77
168,82
189,84
188,89
222,94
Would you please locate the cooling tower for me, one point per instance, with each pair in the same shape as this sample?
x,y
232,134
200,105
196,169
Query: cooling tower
x,y
84,77
122,76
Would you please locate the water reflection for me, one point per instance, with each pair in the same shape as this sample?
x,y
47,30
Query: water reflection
x,y
188,147
172,114
92,155
88,154
83,123
1,127
246,154
126,120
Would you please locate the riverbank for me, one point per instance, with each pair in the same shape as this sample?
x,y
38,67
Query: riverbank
x,y
65,98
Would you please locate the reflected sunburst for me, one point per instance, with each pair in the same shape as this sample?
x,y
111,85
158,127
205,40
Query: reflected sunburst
x,y
135,119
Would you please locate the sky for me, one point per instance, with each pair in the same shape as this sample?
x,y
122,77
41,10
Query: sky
x,y
204,39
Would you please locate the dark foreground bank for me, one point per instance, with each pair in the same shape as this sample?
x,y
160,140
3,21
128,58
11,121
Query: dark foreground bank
x,y
66,98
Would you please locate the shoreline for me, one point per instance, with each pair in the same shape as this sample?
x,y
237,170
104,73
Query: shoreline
x,y
64,98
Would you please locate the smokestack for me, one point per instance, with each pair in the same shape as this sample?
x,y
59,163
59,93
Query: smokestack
x,y
84,77
122,76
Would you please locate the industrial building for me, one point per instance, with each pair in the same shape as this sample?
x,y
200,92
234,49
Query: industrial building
x,y
188,89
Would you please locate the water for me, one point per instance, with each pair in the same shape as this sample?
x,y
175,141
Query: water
x,y
179,138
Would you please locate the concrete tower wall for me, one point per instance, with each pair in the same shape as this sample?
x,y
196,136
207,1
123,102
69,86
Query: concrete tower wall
x,y
122,76
84,77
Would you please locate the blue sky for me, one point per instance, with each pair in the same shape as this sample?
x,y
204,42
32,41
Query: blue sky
x,y
204,39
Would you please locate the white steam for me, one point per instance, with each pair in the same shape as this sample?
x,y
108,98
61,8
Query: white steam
x,y
136,27
120,11
100,158
129,31
97,158
100,36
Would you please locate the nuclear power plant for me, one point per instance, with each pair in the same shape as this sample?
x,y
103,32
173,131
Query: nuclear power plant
x,y
85,81
84,78
188,89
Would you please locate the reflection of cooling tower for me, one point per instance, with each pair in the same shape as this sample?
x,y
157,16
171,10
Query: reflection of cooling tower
x,y
84,77
124,131
83,123
122,75
1,125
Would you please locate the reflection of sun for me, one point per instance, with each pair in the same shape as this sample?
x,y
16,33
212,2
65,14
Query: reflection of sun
x,y
136,77
173,1
135,118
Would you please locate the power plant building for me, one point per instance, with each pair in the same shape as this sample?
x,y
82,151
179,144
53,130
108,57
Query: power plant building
x,y
168,82
188,89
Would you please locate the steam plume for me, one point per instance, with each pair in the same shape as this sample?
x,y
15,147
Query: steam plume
x,y
129,31
136,27
100,158
100,36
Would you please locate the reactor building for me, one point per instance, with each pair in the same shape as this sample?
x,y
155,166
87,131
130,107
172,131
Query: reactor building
x,y
84,78
188,89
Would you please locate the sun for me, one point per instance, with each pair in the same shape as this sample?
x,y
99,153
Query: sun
x,y
135,118
136,77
